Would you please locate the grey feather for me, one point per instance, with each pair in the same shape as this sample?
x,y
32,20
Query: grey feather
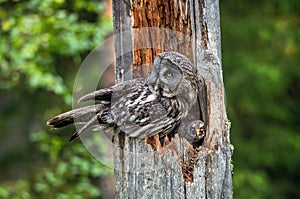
x,y
141,107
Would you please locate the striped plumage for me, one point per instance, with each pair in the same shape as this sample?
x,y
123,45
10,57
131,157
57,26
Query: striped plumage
x,y
141,107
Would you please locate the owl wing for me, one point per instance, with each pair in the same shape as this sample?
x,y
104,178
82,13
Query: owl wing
x,y
140,113
134,109
162,126
130,106
93,114
105,95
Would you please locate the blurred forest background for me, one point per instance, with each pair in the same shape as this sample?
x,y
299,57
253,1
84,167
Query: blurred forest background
x,y
43,43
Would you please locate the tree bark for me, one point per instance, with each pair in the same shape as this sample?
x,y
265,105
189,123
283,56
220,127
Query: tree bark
x,y
145,168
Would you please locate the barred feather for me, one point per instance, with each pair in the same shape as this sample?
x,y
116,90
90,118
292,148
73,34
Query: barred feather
x,y
141,107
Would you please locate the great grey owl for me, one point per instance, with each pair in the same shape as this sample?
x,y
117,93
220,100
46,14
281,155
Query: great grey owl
x,y
141,107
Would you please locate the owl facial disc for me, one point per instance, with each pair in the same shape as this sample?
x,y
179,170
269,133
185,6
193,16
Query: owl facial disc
x,y
165,77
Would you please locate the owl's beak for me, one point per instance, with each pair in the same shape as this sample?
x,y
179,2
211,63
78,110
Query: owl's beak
x,y
157,84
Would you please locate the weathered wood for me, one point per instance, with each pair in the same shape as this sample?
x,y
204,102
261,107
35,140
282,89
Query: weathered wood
x,y
144,168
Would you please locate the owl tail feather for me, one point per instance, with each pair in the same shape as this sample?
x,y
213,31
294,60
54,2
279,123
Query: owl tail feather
x,y
86,115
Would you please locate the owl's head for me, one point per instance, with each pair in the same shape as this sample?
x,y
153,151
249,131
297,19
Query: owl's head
x,y
168,71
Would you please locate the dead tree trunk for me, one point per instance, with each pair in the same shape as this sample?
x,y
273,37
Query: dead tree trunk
x,y
144,168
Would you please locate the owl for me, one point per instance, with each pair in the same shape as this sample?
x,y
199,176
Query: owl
x,y
141,107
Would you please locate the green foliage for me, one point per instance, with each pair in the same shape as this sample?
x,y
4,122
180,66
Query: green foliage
x,y
70,172
68,164
35,33
262,73
42,44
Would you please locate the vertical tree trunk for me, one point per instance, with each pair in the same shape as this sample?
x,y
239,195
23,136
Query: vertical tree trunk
x,y
144,168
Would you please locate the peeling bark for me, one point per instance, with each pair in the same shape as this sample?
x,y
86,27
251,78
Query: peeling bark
x,y
167,15
145,168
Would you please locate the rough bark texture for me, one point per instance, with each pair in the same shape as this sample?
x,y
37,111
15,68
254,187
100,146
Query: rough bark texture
x,y
143,167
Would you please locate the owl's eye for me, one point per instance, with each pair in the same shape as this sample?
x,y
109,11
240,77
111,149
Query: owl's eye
x,y
168,74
